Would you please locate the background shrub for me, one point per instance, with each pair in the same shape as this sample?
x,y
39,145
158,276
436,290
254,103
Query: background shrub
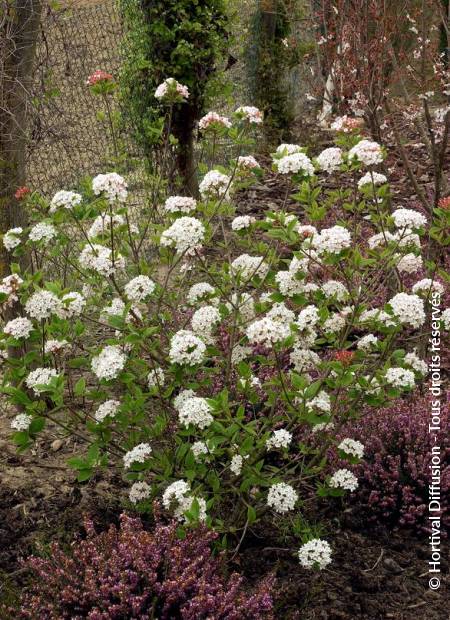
x,y
131,573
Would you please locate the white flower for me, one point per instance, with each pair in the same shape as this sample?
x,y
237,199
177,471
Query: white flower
x,y
204,320
427,286
367,152
42,304
306,231
72,304
186,233
182,397
321,402
380,239
366,343
155,378
99,258
19,328
322,426
180,204
445,318
400,377
244,304
42,231
295,163
195,411
282,497
239,353
344,479
175,492
139,454
249,266
267,332
101,226
407,218
214,119
334,324
198,449
55,346
201,291
281,314
215,184
304,359
409,309
407,239
139,288
372,178
109,363
288,283
308,317
112,185
116,308
169,86
330,159
139,491
9,286
251,114
410,263
315,554
40,377
64,199
288,149
247,162
186,348
11,239
21,422
413,360
242,221
107,409
335,289
279,439
352,447
332,240
236,464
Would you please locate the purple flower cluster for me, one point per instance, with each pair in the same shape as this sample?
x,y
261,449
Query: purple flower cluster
x,y
395,472
128,572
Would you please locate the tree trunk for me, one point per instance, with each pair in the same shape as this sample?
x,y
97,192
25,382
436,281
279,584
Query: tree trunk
x,y
183,130
19,25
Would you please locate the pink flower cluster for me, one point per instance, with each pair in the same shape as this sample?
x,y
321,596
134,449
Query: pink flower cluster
x,y
98,76
131,573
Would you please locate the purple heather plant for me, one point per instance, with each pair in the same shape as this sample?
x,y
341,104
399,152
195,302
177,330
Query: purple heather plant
x,y
394,474
128,572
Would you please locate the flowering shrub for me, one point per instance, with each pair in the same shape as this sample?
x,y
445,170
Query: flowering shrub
x,y
192,354
395,474
131,573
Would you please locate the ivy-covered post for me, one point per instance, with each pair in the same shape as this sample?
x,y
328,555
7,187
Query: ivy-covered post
x,y
177,39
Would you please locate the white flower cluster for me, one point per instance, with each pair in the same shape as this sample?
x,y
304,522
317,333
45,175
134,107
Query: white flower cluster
x,y
295,163
333,288
139,288
237,462
427,286
99,258
199,448
249,266
170,85
11,239
101,226
180,204
279,439
282,497
18,328
139,454
177,493
55,347
367,152
72,304
186,348
344,479
204,320
413,360
40,377
185,234
42,304
212,119
65,200
409,309
139,491
315,554
409,263
330,159
321,402
215,185
155,378
251,114
200,292
42,232
352,447
21,422
109,363
445,318
267,332
288,149
372,178
367,343
196,411
400,377
247,162
112,185
107,409
10,285
409,219
304,359
332,240
242,221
